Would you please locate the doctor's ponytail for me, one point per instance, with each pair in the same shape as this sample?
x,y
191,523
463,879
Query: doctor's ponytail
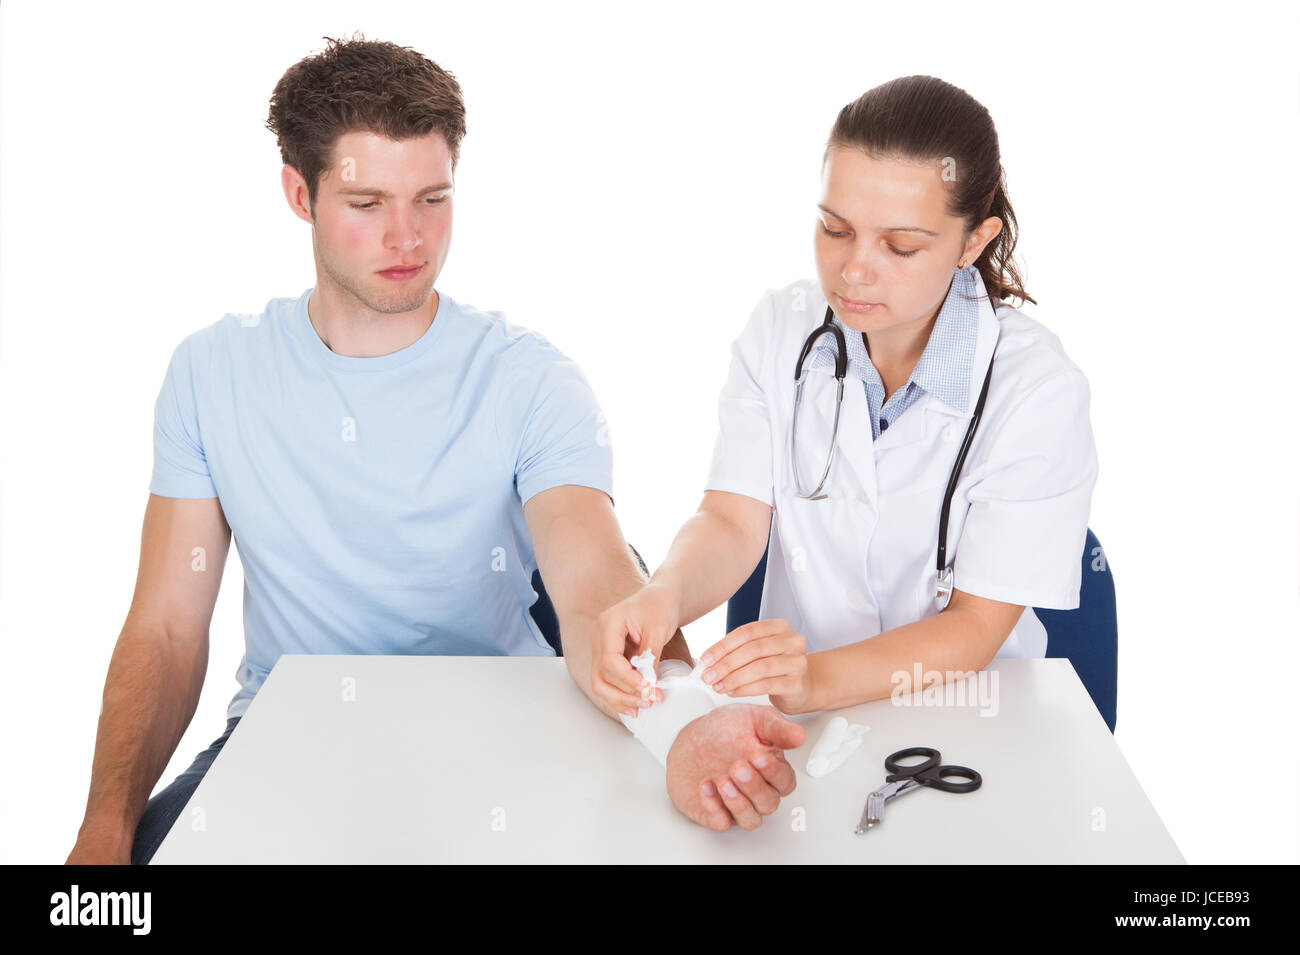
x,y
924,119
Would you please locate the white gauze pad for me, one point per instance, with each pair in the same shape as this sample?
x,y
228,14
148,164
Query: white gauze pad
x,y
837,743
645,665
686,698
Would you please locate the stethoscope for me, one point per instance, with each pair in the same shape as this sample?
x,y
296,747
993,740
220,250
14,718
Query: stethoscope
x,y
944,581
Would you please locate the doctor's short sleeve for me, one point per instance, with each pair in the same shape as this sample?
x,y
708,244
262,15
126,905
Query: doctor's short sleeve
x,y
1024,534
742,452
548,415
180,468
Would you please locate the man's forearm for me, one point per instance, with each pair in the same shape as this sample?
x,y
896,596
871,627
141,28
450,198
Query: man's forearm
x,y
150,695
952,643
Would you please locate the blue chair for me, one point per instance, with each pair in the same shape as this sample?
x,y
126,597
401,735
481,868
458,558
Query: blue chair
x,y
1088,637
543,610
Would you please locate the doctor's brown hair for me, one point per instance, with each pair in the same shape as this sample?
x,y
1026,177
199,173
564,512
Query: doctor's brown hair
x,y
361,85
924,119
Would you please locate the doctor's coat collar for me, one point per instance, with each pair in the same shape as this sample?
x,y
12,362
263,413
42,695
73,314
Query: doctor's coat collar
x,y
943,371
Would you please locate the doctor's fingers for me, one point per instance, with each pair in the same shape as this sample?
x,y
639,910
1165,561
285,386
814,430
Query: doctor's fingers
x,y
784,669
613,666
732,654
615,669
742,635
622,700
776,686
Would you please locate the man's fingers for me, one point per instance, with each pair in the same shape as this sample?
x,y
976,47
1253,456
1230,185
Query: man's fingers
x,y
778,773
738,804
761,795
775,729
715,814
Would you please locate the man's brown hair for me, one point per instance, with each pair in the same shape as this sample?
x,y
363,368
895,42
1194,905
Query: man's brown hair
x,y
361,85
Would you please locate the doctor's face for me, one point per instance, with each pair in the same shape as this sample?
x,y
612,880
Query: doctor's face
x,y
885,245
382,205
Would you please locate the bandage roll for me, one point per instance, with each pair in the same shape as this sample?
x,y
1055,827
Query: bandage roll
x,y
837,743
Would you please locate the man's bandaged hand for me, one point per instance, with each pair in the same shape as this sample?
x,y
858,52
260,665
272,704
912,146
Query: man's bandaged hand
x,y
679,697
728,765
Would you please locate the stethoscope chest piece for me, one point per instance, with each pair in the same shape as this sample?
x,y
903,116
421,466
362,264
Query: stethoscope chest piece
x,y
943,588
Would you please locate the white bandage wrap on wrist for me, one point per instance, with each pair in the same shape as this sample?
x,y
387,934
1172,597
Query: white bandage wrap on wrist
x,y
686,698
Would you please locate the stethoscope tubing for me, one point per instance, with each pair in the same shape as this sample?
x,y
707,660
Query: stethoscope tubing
x,y
841,370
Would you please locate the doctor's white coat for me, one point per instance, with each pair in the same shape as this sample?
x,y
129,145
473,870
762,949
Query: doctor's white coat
x,y
862,561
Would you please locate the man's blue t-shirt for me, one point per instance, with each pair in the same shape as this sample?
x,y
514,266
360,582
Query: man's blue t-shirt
x,y
377,503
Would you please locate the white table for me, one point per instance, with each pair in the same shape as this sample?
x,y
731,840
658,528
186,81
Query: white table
x,y
502,759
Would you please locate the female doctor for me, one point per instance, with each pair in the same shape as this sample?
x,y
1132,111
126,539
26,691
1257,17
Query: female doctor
x,y
913,244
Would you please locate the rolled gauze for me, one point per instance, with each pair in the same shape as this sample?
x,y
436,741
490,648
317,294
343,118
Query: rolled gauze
x,y
837,743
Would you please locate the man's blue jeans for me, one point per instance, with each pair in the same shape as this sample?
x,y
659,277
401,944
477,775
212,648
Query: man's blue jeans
x,y
162,809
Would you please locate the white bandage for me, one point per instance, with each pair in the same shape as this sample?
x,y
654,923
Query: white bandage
x,y
645,665
686,698
837,743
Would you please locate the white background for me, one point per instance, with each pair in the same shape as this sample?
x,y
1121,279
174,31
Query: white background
x,y
630,184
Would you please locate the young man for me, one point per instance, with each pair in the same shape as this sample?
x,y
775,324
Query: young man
x,y
392,463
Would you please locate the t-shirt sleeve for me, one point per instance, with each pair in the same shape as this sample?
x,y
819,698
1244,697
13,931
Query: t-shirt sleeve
x,y
1028,519
180,467
562,436
742,452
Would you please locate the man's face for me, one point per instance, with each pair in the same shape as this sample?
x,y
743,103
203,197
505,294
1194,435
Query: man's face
x,y
382,205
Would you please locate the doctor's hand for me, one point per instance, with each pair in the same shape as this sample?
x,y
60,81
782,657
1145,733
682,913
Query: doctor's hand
x,y
761,658
644,621
728,766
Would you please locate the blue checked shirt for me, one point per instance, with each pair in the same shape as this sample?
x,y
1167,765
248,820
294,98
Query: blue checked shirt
x,y
943,369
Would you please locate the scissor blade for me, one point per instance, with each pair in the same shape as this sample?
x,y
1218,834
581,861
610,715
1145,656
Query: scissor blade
x,y
874,811
871,813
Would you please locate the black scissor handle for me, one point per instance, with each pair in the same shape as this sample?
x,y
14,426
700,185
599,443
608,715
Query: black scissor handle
x,y
937,778
931,760
930,773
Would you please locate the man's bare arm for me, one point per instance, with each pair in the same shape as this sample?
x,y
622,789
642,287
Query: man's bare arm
x,y
157,669
587,567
